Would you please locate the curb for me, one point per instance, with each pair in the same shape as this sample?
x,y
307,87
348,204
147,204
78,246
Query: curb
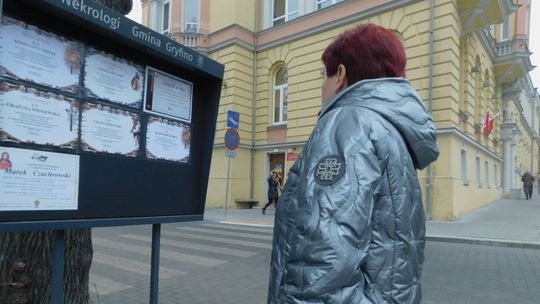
x,y
251,223
482,241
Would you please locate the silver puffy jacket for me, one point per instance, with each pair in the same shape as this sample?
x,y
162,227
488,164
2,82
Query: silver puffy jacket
x,y
350,225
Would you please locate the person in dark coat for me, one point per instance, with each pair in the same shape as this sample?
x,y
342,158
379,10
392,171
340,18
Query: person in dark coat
x,y
273,194
528,180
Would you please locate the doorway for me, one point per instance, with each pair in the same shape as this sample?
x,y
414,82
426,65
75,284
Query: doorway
x,y
277,163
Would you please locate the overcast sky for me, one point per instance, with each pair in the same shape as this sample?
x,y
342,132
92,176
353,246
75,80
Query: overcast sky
x,y
136,11
534,35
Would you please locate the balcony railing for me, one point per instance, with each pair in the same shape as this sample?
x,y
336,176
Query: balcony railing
x,y
507,47
190,39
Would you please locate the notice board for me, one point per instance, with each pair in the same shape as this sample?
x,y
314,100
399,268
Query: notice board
x,y
102,120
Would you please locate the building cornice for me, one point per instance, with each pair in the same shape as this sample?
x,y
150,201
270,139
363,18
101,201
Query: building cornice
x,y
391,5
458,133
248,43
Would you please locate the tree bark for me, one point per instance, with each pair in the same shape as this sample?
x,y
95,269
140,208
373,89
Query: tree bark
x,y
26,267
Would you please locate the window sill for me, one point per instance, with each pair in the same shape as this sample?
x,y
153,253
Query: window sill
x,y
277,126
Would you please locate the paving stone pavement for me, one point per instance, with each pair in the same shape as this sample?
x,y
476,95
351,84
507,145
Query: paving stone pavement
x,y
210,262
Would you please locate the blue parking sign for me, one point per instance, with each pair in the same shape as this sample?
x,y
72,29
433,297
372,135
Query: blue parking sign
x,y
233,119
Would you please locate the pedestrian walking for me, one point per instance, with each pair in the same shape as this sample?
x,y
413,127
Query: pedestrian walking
x,y
350,225
528,180
273,186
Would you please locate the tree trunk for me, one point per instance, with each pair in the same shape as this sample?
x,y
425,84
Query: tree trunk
x,y
26,266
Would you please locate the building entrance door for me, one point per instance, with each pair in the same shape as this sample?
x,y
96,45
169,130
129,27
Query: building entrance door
x,y
277,163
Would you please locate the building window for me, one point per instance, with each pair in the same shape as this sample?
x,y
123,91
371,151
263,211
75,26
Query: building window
x,y
326,3
165,17
192,13
495,169
486,164
284,10
505,29
280,95
464,168
478,174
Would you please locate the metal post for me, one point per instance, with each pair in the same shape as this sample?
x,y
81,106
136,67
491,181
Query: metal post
x,y
154,266
57,296
1,9
227,187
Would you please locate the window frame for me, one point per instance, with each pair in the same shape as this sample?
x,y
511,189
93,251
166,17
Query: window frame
x,y
497,180
162,23
287,16
464,174
185,22
281,88
505,29
486,165
319,2
478,172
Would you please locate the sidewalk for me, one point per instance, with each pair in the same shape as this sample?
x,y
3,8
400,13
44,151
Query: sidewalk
x,y
505,222
508,222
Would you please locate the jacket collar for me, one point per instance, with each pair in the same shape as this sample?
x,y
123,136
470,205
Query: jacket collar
x,y
332,103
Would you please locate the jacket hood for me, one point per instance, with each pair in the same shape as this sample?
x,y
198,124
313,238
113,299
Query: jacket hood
x,y
397,101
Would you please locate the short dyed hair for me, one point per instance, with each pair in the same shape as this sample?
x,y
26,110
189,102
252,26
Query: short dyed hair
x,y
368,51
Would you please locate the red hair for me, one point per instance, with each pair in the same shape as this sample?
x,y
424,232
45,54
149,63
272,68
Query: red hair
x,y
368,51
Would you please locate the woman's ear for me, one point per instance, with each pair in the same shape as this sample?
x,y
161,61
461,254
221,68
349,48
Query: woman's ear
x,y
341,81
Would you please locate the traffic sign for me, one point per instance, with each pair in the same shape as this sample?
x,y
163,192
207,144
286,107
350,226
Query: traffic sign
x,y
232,139
232,154
233,119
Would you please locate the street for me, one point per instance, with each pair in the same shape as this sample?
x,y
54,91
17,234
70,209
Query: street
x,y
209,262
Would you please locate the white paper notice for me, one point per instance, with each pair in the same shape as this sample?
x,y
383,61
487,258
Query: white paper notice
x,y
110,130
113,79
31,54
38,180
31,116
168,95
167,140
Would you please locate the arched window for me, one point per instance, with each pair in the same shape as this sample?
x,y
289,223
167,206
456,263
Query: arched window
x,y
280,95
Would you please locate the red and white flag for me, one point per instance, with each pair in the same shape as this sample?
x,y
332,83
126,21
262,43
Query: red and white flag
x,y
488,123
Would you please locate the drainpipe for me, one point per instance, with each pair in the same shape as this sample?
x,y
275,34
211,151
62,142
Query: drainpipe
x,y
532,139
429,184
253,119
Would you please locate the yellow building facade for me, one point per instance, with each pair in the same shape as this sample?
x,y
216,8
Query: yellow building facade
x,y
468,59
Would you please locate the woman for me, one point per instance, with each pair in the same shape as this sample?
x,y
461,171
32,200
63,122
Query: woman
x,y
350,225
5,163
273,185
